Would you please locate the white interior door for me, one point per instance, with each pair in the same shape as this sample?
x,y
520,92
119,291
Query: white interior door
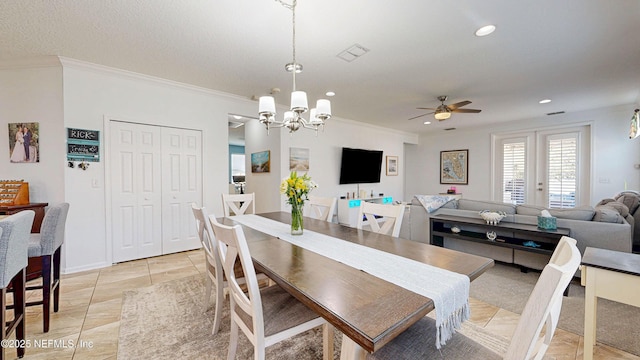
x,y
135,153
181,186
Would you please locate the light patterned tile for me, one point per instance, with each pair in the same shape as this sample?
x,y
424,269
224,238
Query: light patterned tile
x,y
481,312
101,342
174,274
503,323
604,352
103,313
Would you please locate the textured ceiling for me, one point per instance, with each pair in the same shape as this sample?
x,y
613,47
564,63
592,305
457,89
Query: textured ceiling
x,y
582,54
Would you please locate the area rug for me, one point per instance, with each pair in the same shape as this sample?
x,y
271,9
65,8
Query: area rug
x,y
169,321
507,287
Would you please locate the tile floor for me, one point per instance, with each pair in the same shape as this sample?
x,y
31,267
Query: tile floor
x,y
91,302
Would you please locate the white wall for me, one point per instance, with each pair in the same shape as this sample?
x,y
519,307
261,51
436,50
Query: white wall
x,y
35,95
613,153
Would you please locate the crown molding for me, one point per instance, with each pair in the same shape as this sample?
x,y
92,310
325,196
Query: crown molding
x,y
30,62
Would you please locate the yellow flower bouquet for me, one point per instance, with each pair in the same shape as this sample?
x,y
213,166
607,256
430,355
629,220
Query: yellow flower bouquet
x,y
296,189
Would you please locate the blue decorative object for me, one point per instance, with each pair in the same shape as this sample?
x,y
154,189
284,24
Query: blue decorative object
x,y
531,244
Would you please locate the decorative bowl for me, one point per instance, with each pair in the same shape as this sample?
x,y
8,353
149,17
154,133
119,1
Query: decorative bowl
x,y
492,217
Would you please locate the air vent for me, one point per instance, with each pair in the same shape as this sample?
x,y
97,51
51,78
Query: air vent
x,y
556,113
449,129
352,53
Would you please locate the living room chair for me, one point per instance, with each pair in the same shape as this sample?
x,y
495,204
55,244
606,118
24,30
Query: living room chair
x,y
541,311
14,244
44,259
322,208
268,315
239,204
389,215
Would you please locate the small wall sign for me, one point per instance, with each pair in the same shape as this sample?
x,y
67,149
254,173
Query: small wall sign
x,y
83,145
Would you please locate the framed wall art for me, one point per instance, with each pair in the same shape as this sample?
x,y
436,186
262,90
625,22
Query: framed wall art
x,y
298,159
392,165
261,162
24,142
454,167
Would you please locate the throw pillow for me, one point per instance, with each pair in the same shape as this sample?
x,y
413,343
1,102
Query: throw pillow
x,y
605,214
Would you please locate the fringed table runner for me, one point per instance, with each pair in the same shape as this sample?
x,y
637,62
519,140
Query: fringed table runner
x,y
448,290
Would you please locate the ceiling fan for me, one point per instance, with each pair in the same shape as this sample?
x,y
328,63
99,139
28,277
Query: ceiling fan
x,y
443,112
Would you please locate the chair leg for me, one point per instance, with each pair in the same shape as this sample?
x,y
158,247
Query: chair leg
x,y
46,292
217,318
3,307
327,341
19,289
207,294
56,279
233,338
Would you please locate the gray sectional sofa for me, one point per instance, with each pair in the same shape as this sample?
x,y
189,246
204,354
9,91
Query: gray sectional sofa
x,y
604,226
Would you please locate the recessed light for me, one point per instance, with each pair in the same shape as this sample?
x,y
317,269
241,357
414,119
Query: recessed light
x,y
485,30
237,117
330,93
545,101
427,123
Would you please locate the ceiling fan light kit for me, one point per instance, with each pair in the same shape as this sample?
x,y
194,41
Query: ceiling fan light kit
x,y
293,119
443,112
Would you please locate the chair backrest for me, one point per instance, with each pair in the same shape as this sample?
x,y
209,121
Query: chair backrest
x,y
322,208
52,229
544,304
14,245
232,245
205,232
391,217
239,204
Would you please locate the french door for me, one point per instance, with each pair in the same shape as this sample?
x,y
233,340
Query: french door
x,y
156,173
550,168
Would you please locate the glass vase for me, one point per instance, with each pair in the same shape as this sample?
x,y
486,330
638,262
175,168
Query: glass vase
x,y
296,220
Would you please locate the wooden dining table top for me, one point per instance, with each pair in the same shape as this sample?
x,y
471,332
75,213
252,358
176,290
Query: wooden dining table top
x,y
367,309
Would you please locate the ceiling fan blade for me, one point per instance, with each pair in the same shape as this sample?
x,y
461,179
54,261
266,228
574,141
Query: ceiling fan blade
x,y
419,116
459,104
426,108
466,110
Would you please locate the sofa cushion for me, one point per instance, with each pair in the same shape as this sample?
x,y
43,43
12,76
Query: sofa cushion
x,y
629,198
532,210
478,205
607,214
584,213
621,208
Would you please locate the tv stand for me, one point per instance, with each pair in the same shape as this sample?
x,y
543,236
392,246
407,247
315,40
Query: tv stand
x,y
349,209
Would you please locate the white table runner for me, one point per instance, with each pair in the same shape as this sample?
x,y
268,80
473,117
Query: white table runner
x,y
448,290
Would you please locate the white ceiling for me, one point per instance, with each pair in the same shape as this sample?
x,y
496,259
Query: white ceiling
x,y
582,54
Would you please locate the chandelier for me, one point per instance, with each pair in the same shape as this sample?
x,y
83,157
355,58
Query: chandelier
x,y
293,119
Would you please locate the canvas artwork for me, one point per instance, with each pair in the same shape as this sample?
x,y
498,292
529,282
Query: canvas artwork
x,y
454,167
298,159
23,142
261,162
392,165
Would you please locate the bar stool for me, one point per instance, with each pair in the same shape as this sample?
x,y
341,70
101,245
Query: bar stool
x,y
14,242
44,259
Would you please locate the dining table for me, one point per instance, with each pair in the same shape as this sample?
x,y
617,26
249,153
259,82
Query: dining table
x,y
369,311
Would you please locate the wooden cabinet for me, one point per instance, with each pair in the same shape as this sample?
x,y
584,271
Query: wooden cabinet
x,y
37,207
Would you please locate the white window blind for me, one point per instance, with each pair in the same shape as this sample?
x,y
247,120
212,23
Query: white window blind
x,y
562,170
513,174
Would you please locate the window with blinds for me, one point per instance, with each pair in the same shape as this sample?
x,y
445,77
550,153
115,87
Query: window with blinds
x,y
562,168
513,173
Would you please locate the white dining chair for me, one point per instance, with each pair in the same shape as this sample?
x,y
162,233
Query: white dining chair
x,y
268,315
322,208
541,311
389,215
239,204
214,274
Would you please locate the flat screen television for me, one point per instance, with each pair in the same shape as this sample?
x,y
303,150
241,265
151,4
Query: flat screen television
x,y
360,166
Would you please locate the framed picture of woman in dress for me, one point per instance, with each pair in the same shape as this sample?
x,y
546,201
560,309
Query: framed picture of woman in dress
x,y
23,142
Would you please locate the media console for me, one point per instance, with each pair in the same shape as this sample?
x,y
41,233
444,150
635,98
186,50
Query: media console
x,y
348,209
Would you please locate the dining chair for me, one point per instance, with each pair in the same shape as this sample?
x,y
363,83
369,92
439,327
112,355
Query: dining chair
x,y
239,204
322,208
44,259
389,215
268,315
14,244
541,311
214,275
